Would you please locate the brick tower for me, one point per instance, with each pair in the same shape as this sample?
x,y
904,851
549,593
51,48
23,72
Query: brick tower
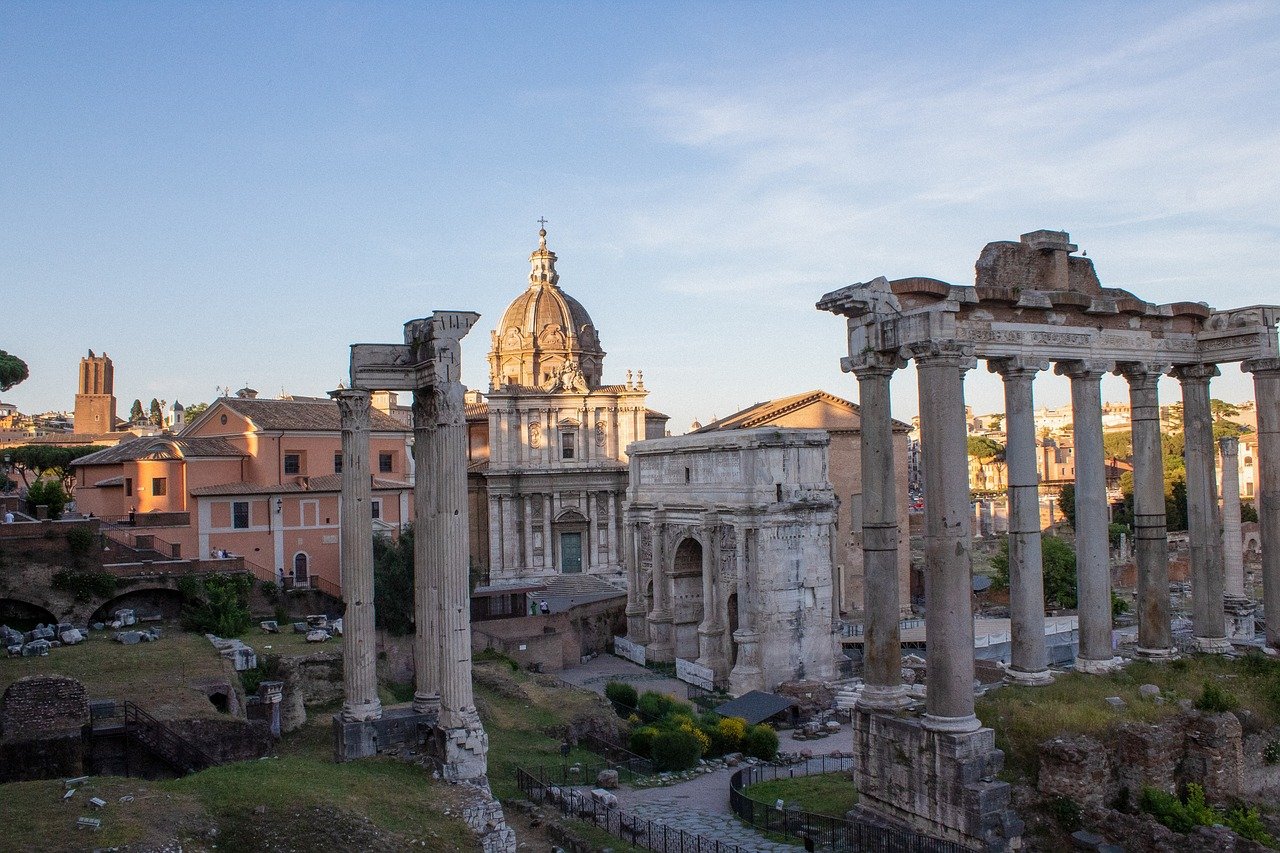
x,y
95,401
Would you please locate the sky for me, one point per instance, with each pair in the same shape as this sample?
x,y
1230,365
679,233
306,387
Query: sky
x,y
230,193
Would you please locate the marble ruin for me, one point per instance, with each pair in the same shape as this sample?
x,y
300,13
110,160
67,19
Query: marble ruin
x,y
1034,302
730,556
428,363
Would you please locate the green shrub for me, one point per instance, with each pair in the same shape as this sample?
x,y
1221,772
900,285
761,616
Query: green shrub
x,y
1271,752
1247,823
623,696
270,591
1215,699
84,586
761,741
216,604
641,740
655,706
1065,811
80,542
726,734
492,654
675,750
47,493
251,678
1167,809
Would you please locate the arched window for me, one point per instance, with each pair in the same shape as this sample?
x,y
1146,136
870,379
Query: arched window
x,y
301,577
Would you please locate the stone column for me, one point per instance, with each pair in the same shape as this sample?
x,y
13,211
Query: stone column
x,y
1029,659
1093,560
637,626
1204,525
661,644
1155,636
1232,546
747,674
882,639
426,584
709,629
1266,393
526,533
359,649
948,588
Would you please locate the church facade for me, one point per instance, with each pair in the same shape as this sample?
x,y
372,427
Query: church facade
x,y
556,472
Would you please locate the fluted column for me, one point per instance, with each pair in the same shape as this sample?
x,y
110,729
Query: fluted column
x,y
661,643
1232,546
882,639
1093,569
948,586
359,648
637,626
1155,635
1029,659
426,584
747,674
709,629
1266,393
1204,525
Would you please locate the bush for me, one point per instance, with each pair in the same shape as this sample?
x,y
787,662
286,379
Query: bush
x,y
623,696
218,604
270,591
79,542
47,493
1271,752
761,741
1066,812
655,706
727,735
675,750
1247,823
84,586
1215,699
641,741
1167,809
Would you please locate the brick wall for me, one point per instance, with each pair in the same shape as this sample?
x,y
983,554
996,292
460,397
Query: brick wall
x,y
41,704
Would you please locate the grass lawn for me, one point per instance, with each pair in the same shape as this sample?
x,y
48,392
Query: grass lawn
x,y
158,676
287,643
830,794
1025,717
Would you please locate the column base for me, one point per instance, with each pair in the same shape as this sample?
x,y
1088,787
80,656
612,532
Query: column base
x,y
1156,655
744,679
428,704
1098,667
959,725
876,697
465,749
1021,678
1241,621
360,712
1212,645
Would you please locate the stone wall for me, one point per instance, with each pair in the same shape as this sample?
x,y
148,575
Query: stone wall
x,y
1206,749
227,740
41,704
554,641
314,679
940,783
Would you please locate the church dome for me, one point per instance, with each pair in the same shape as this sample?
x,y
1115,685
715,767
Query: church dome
x,y
546,338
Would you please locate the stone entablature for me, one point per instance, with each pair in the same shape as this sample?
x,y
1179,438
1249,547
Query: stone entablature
x,y
729,555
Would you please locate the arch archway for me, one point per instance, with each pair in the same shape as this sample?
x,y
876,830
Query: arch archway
x,y
152,601
686,597
572,548
301,569
23,615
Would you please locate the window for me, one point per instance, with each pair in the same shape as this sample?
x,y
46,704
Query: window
x,y
159,486
337,463
384,463
293,463
128,487
376,506
567,445
240,515
301,577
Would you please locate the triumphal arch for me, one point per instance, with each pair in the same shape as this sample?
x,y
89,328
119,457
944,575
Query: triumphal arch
x,y
1034,304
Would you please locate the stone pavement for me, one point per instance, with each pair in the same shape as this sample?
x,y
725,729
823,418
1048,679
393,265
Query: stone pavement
x,y
600,670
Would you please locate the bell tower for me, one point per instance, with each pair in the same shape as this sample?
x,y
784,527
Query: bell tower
x,y
95,399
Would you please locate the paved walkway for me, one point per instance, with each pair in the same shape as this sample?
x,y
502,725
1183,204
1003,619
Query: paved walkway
x,y
600,670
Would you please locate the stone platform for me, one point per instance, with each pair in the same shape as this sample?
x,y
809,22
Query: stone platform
x,y
942,784
399,727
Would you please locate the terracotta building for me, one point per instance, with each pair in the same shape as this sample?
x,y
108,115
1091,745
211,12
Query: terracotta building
x,y
256,478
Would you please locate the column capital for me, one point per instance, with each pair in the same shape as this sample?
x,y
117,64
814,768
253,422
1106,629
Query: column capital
x,y
1191,373
943,352
1083,368
353,405
1140,372
1261,366
1229,445
1017,366
873,363
441,404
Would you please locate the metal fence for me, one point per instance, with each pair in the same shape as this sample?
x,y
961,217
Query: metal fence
x,y
618,757
539,786
823,832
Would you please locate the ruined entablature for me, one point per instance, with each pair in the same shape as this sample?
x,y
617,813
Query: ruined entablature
x,y
1034,298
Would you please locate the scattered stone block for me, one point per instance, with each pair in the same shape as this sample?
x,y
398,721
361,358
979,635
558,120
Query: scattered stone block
x,y
74,783
127,798
97,802
318,620
129,638
126,616
98,626
300,628
55,644
605,798
88,823
10,637
335,627
270,626
1084,840
15,651
43,632
607,779
36,649
317,636
71,636
1116,702
69,794
1149,691
244,658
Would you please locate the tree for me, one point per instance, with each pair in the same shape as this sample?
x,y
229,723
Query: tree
x,y
33,461
1067,503
12,370
1118,445
1059,561
984,448
194,411
157,414
393,583
47,493
135,412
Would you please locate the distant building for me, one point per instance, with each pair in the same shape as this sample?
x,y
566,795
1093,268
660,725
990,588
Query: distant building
x,y
256,478
95,400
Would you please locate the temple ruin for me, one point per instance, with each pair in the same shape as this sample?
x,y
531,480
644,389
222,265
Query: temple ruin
x,y
1033,303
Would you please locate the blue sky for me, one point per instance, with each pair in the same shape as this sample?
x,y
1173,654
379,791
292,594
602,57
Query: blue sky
x,y
232,193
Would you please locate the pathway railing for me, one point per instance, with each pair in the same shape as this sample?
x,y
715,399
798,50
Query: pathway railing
x,y
540,786
618,756
823,832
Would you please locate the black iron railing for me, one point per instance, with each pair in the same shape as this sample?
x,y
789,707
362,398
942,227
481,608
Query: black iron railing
x,y
617,756
181,753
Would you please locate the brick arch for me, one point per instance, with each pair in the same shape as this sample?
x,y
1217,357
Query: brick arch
x,y
16,612
149,597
